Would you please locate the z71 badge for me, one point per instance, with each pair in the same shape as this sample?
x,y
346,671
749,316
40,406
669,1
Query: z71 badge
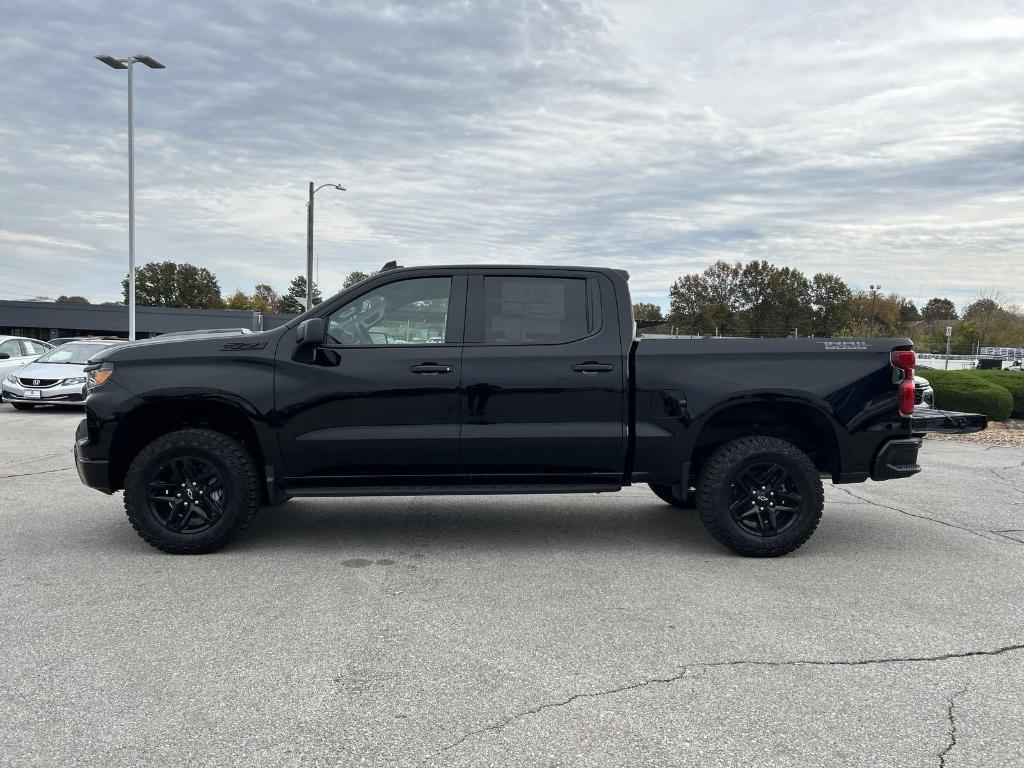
x,y
243,346
845,344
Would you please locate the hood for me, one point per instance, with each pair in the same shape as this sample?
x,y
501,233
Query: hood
x,y
921,381
49,371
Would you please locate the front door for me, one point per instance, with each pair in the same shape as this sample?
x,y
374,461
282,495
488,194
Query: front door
x,y
379,400
542,377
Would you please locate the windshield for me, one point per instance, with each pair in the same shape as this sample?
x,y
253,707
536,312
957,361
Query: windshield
x,y
72,352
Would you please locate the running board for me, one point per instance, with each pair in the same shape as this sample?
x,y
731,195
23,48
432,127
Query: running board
x,y
451,490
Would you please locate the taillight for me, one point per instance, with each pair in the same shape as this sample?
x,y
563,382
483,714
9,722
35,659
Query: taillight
x,y
905,360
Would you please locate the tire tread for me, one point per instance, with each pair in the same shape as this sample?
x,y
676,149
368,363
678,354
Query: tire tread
x,y
244,473
713,474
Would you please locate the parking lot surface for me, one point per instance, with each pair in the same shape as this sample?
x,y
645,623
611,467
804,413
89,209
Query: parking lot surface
x,y
594,630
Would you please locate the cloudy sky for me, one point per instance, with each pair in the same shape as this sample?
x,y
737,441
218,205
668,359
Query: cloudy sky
x,y
883,140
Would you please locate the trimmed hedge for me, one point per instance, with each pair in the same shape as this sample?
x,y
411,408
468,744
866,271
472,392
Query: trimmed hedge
x,y
1013,381
970,391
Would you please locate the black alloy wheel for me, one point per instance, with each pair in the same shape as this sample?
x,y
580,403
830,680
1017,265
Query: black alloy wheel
x,y
760,496
187,495
192,491
766,500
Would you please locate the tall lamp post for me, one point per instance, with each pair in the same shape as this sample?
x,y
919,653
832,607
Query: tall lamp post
x,y
309,240
128,63
874,295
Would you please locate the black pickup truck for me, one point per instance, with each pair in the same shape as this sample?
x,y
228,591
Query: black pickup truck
x,y
495,380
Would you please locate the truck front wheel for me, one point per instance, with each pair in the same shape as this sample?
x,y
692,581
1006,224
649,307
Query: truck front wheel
x,y
760,496
191,491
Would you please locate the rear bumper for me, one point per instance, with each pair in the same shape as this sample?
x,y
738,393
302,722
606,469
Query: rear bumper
x,y
896,459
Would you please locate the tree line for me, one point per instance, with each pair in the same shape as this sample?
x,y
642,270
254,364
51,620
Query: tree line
x,y
762,299
186,286
757,298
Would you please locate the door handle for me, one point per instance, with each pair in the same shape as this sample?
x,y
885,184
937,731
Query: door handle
x,y
591,367
430,369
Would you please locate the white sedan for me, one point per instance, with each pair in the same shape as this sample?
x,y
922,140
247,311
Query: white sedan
x,y
55,378
17,351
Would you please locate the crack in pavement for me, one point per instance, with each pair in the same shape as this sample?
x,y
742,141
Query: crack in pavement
x,y
685,668
919,517
41,472
951,735
33,458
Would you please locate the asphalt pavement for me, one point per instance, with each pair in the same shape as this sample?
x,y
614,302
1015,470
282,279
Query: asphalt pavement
x,y
577,630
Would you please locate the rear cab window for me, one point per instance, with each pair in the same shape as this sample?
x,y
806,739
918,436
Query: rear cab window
x,y
536,310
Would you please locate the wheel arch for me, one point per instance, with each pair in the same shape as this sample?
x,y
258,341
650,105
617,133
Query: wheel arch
x,y
799,421
159,416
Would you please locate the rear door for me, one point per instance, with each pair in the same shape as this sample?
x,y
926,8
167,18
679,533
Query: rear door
x,y
542,376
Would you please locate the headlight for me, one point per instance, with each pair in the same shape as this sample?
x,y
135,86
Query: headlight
x,y
12,379
98,376
75,380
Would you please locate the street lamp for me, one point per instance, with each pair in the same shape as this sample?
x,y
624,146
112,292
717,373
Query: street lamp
x,y
128,63
309,240
874,295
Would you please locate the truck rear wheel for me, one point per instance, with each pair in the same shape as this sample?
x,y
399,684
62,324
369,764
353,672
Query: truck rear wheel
x,y
760,496
191,491
666,494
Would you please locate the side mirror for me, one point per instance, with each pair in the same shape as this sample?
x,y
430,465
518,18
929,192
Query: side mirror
x,y
310,333
4,356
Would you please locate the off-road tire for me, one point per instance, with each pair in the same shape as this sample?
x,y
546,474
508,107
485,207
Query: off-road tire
x,y
664,492
714,494
241,482
23,406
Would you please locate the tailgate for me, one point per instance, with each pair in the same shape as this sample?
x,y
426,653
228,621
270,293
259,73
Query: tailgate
x,y
933,420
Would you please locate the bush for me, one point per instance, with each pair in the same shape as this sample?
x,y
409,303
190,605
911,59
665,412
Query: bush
x,y
1010,380
970,391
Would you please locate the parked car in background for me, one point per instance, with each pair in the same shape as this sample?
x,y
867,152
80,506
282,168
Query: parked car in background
x,y
55,378
17,351
65,339
924,395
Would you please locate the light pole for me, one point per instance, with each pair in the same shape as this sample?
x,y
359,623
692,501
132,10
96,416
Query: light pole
x,y
128,63
309,240
874,295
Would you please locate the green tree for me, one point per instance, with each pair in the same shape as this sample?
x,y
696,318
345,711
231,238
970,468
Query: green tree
x,y
294,301
755,292
986,312
169,284
831,303
909,312
352,278
237,300
939,309
792,301
686,302
265,299
72,300
647,312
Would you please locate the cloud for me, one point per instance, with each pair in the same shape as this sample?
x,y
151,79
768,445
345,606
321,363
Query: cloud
x,y
880,140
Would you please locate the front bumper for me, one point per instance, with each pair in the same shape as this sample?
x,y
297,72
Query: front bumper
x,y
72,394
94,473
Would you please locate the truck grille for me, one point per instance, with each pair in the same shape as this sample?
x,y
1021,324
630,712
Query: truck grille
x,y
38,383
918,396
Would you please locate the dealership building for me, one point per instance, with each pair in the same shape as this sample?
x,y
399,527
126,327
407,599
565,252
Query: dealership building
x,y
48,320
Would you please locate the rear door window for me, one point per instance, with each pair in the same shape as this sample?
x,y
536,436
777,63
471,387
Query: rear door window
x,y
535,310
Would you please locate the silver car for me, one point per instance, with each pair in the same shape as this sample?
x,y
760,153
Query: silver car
x,y
55,378
17,351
